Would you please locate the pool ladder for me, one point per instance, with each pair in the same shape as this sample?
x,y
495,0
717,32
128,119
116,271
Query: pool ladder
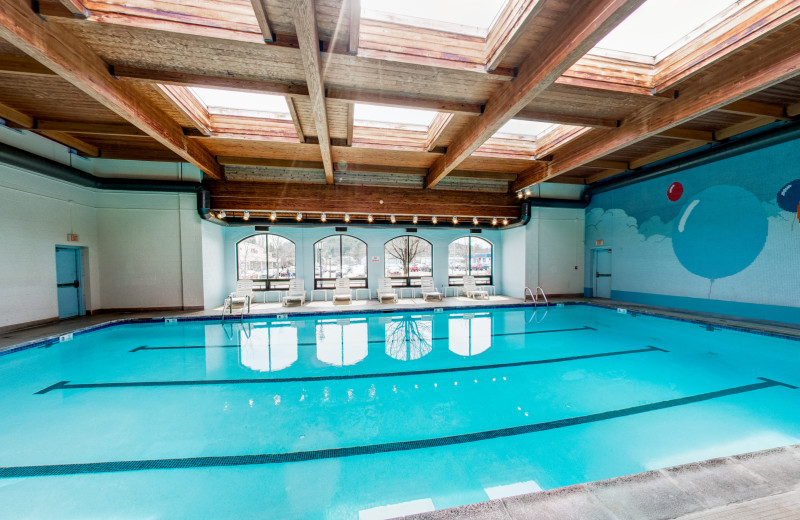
x,y
534,295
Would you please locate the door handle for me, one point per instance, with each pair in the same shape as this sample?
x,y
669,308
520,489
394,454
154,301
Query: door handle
x,y
75,284
598,275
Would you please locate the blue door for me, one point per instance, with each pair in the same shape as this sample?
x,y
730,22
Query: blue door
x,y
68,278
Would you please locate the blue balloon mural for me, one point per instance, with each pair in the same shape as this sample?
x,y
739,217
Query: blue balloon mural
x,y
789,196
719,231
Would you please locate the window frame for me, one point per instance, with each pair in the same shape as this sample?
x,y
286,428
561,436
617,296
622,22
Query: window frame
x,y
407,280
458,280
329,283
266,284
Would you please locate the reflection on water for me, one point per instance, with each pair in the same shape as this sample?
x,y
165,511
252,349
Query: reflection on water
x,y
409,337
342,342
470,334
268,349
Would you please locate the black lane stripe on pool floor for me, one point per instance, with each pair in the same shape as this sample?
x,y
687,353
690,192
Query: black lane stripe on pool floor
x,y
64,385
370,449
180,347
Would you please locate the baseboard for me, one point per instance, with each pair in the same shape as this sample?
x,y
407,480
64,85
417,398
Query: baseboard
x,y
27,325
146,309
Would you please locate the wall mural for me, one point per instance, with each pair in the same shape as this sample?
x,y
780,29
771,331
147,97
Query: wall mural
x,y
726,231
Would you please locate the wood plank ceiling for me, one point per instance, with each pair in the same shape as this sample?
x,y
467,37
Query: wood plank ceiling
x,y
112,79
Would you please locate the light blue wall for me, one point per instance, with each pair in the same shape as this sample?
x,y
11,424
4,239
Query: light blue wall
x,y
305,237
729,244
215,289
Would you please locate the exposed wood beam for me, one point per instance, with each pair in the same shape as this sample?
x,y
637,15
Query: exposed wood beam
x,y
17,118
511,24
260,10
73,127
296,120
341,198
580,27
23,65
436,128
188,105
75,7
754,108
355,167
71,142
665,153
599,176
350,123
59,50
742,75
187,79
305,22
527,114
793,110
744,126
608,165
397,100
355,26
689,135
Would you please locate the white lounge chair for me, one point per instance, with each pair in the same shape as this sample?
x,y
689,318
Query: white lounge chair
x,y
428,290
296,293
470,289
243,295
386,291
342,292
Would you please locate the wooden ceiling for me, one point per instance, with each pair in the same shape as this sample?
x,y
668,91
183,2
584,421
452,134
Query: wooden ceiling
x,y
110,78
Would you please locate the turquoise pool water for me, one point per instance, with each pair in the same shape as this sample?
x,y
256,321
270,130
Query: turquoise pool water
x,y
366,416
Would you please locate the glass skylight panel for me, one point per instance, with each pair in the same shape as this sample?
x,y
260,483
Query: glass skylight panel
x,y
657,24
469,14
524,128
230,99
392,115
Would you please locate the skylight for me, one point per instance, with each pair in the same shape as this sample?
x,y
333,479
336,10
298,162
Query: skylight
x,y
657,24
523,128
392,115
230,99
463,16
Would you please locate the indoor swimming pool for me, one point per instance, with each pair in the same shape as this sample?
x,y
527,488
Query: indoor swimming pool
x,y
376,415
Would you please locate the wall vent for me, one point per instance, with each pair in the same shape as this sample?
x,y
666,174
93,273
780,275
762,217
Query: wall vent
x,y
411,230
475,230
341,229
262,228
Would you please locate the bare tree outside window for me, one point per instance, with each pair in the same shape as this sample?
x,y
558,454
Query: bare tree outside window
x,y
408,257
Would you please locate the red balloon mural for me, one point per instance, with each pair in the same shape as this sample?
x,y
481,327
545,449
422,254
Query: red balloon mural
x,y
675,191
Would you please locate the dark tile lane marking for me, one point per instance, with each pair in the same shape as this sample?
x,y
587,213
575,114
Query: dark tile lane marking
x,y
145,347
64,385
370,449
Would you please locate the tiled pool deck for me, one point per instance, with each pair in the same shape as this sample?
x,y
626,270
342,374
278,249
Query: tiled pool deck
x,y
761,485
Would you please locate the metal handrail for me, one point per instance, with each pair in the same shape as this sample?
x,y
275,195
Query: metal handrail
x,y
535,295
539,289
525,295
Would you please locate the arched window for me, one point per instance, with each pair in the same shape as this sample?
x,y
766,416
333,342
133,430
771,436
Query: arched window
x,y
340,256
470,256
268,259
407,259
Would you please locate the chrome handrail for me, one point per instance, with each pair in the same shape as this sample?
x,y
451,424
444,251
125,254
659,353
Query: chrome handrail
x,y
525,295
539,289
535,295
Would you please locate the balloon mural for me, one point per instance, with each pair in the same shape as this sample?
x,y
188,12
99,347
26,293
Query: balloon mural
x,y
719,231
789,197
675,191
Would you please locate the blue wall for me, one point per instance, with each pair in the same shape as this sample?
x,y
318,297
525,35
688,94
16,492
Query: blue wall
x,y
723,237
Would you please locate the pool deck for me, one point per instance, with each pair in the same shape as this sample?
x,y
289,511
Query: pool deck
x,y
760,485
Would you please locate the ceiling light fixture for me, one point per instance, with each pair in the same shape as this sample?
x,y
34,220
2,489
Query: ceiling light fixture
x,y
474,221
246,215
370,219
392,219
519,195
455,219
494,221
299,216
505,221
221,214
273,216
434,220
415,219
346,217
528,193
323,218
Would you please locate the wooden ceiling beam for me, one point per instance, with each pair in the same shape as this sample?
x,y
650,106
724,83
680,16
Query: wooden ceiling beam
x,y
305,22
355,26
754,108
527,114
23,65
78,127
436,129
741,75
409,101
59,50
350,123
15,117
688,134
665,153
260,10
340,198
75,7
71,142
608,165
515,18
188,104
581,26
296,120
